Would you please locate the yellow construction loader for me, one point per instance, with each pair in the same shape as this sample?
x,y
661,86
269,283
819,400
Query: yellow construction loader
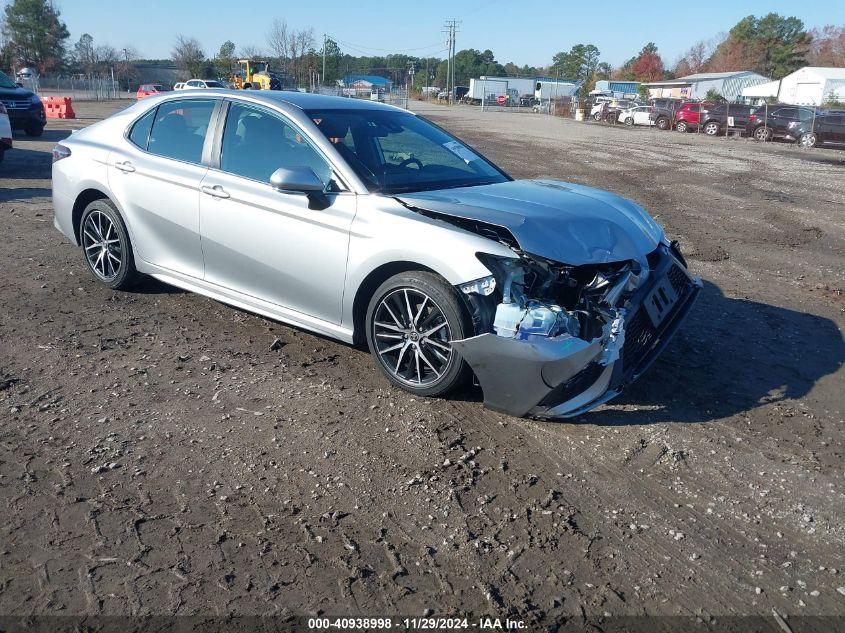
x,y
254,75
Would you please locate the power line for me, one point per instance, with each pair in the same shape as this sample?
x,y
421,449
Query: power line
x,y
363,48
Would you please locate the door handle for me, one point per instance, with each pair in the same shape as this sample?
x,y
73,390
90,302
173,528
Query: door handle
x,y
216,191
125,166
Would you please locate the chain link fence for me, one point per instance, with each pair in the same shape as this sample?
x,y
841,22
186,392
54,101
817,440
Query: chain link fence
x,y
79,87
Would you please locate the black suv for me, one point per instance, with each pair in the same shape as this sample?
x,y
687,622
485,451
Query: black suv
x,y
714,118
804,125
663,112
23,106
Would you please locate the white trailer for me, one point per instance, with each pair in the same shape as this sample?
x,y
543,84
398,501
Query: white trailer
x,y
492,87
544,90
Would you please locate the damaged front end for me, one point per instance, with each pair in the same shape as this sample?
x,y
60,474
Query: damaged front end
x,y
555,340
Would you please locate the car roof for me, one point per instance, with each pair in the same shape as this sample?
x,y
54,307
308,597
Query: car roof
x,y
300,100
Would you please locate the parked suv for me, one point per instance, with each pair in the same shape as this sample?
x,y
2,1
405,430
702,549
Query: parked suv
x,y
793,123
663,112
25,110
687,117
714,118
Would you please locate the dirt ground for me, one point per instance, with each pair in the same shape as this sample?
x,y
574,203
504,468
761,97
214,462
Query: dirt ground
x,y
160,455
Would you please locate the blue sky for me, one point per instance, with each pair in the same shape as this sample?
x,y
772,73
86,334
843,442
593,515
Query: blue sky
x,y
522,31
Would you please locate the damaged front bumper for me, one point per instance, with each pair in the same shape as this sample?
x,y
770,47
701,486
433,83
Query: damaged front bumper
x,y
565,376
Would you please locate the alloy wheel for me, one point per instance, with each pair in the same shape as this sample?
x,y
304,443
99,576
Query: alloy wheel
x,y
711,129
101,242
807,140
412,337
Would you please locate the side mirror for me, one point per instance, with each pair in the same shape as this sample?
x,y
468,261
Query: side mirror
x,y
301,179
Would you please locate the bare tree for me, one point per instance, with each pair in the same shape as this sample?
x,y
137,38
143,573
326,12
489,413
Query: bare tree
x,y
251,52
189,56
107,57
277,40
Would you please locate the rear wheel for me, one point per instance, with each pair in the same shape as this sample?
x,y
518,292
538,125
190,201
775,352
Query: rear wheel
x,y
807,140
597,116
411,320
662,123
681,126
711,128
106,246
763,134
629,121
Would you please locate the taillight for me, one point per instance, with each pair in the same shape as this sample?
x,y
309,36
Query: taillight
x,y
60,151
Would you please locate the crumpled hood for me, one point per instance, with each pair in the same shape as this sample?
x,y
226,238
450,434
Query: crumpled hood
x,y
564,222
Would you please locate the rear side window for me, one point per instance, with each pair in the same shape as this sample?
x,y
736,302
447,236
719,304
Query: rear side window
x,y
179,129
140,133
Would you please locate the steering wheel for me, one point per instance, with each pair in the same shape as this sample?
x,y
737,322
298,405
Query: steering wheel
x,y
410,160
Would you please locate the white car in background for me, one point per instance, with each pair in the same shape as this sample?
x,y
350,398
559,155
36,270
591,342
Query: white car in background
x,y
638,115
179,85
5,131
202,83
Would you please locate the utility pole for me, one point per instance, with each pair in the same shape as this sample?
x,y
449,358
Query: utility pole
x,y
451,27
325,39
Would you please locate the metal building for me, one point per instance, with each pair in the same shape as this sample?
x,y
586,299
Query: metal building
x,y
729,84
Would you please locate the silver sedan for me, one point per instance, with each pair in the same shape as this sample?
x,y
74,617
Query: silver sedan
x,y
369,224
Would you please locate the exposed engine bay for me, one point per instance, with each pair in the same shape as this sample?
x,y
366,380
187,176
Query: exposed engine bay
x,y
549,336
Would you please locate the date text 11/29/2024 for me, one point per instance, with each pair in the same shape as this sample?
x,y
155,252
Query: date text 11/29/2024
x,y
415,624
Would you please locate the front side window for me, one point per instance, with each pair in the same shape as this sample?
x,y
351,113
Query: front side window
x,y
395,152
213,84
257,142
179,129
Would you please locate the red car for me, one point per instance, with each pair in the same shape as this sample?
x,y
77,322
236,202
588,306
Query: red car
x,y
148,90
687,117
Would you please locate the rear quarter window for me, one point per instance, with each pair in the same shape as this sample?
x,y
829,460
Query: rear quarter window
x,y
140,132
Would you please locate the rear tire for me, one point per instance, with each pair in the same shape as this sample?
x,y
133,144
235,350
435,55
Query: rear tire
x,y
681,126
711,128
763,134
106,246
662,123
411,319
629,121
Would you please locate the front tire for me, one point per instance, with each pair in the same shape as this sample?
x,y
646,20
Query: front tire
x,y
629,121
711,129
681,126
662,123
411,320
34,130
106,246
807,140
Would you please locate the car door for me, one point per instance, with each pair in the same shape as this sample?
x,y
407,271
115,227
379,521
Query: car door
x,y
276,246
641,115
155,175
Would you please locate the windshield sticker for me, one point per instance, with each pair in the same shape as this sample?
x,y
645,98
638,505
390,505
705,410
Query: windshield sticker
x,y
464,153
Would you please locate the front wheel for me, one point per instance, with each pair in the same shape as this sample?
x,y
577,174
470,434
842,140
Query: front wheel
x,y
711,129
105,243
807,140
629,121
681,126
662,123
411,321
34,130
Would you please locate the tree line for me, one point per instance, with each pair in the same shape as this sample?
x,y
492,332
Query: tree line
x,y
33,34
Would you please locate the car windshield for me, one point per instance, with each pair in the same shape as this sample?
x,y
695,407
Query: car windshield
x,y
6,82
398,152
